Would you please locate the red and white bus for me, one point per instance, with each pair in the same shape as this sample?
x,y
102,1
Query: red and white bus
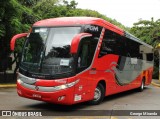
x,y
70,60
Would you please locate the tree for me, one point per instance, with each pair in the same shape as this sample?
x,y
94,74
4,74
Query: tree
x,y
14,18
54,9
43,8
71,5
148,31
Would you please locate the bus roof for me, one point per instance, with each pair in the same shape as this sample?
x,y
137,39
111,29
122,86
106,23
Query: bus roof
x,y
70,21
74,21
62,21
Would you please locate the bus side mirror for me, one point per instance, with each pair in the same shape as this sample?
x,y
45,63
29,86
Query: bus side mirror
x,y
14,38
76,40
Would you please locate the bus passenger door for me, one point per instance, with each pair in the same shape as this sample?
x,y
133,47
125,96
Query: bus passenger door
x,y
83,56
84,59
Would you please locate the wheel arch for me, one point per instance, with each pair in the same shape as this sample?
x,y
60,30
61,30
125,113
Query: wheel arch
x,y
103,82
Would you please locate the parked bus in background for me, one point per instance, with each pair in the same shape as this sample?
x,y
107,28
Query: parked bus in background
x,y
70,60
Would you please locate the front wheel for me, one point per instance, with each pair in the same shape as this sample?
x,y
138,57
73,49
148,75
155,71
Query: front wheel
x,y
99,94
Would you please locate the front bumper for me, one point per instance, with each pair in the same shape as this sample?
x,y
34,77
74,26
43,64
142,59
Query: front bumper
x,y
65,96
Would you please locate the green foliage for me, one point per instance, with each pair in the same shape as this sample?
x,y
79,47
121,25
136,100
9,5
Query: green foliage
x,y
71,5
51,9
2,30
14,18
19,44
156,65
148,31
44,7
28,3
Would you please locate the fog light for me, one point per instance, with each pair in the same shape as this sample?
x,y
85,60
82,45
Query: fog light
x,y
80,88
61,98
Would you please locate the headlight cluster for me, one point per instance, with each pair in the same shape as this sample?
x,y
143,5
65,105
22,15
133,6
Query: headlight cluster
x,y
26,79
65,86
30,84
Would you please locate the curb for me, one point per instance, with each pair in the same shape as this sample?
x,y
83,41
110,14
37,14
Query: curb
x,y
8,85
155,84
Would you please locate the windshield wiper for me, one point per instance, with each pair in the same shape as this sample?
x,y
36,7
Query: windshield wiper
x,y
41,58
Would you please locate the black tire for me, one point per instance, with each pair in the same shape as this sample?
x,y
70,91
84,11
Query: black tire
x,y
99,95
141,88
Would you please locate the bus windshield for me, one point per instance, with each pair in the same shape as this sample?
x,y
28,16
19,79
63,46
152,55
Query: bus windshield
x,y
47,51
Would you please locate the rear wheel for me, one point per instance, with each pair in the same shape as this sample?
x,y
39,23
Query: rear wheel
x,y
141,88
99,94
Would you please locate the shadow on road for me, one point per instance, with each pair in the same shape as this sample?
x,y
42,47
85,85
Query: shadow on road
x,y
81,109
81,106
56,107
123,94
49,109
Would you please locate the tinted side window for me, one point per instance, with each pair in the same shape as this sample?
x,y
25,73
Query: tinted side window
x,y
83,55
112,43
150,57
86,53
133,49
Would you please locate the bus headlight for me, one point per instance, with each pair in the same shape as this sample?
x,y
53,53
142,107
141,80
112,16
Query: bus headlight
x,y
47,89
65,86
26,79
19,81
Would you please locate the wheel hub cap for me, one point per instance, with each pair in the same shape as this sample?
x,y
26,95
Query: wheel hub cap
x,y
97,94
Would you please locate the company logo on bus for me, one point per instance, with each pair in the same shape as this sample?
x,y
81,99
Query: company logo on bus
x,y
37,88
91,28
37,76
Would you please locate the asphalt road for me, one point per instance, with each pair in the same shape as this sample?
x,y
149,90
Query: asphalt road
x,y
149,99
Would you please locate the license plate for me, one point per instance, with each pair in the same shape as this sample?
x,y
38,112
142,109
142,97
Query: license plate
x,y
36,96
77,97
